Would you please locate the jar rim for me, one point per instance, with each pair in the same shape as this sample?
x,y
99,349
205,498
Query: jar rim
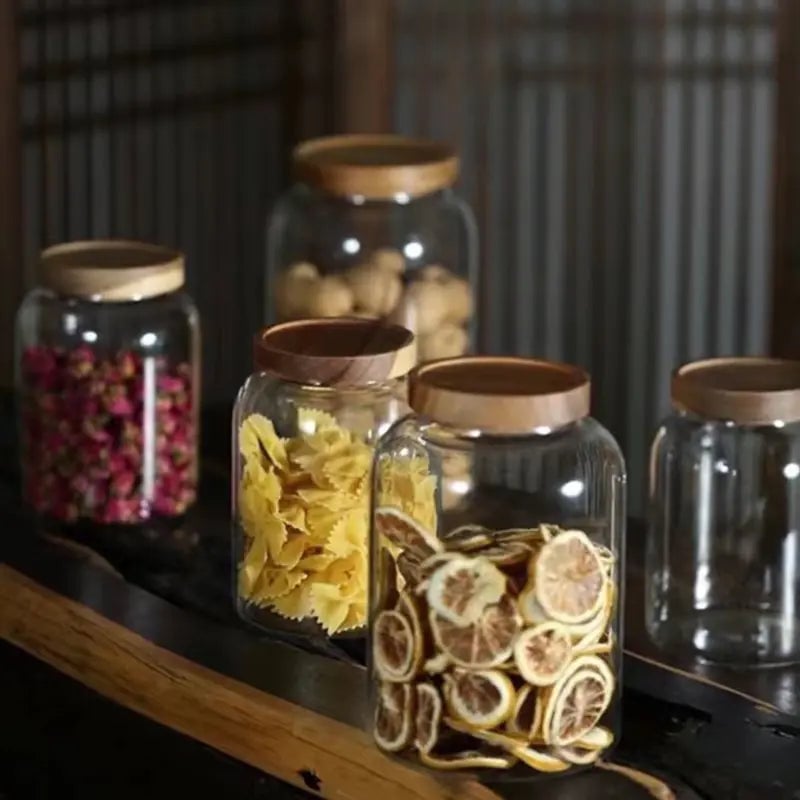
x,y
375,166
500,394
748,390
111,270
340,352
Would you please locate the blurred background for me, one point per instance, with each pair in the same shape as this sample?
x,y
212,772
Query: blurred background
x,y
634,165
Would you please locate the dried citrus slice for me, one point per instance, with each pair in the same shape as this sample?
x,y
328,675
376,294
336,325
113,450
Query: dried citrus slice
x,y
526,717
578,701
408,565
540,760
437,665
576,755
598,738
403,531
486,643
530,536
394,728
503,740
542,653
428,717
529,606
393,646
408,607
481,699
569,578
461,588
467,538
507,554
592,631
468,759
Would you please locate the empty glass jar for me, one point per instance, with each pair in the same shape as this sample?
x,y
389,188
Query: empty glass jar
x,y
304,428
108,380
722,567
374,229
496,559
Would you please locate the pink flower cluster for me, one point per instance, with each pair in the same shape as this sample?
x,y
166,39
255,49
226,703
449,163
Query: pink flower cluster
x,y
84,436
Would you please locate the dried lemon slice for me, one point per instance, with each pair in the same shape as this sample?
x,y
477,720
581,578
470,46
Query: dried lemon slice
x,y
469,759
502,740
437,665
526,718
486,643
507,554
481,699
569,578
529,606
543,653
540,760
407,606
403,531
394,728
461,588
598,738
468,538
576,755
393,646
428,717
578,701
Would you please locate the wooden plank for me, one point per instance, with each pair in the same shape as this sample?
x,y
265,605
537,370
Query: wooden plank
x,y
11,268
364,58
281,738
786,247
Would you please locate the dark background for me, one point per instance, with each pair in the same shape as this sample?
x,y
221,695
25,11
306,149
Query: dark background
x,y
633,164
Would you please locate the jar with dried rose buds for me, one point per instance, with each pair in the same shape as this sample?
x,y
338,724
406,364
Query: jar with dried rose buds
x,y
496,565
373,228
107,355
304,428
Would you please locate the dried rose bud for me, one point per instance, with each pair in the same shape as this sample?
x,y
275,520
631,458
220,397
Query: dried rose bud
x,y
122,483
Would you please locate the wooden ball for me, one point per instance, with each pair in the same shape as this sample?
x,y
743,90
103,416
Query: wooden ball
x,y
429,303
330,297
302,269
389,259
292,291
435,272
459,300
445,342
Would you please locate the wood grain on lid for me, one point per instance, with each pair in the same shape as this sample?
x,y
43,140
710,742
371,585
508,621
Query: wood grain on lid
x,y
338,352
500,395
112,270
378,167
754,391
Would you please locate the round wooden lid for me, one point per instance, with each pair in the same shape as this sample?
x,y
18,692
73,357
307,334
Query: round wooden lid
x,y
752,391
500,395
336,352
377,167
111,270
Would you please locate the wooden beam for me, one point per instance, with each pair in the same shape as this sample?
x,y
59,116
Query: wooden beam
x,y
786,247
364,65
11,269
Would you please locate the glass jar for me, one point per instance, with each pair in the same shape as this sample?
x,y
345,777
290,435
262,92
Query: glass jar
x,y
374,229
497,543
722,573
107,355
304,428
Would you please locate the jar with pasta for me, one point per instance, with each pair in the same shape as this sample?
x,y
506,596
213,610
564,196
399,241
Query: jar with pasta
x,y
374,229
496,544
305,426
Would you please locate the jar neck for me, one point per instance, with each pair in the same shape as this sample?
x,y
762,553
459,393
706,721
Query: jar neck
x,y
444,194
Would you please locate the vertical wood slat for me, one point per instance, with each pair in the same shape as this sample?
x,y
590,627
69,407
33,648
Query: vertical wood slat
x,y
364,57
11,267
786,255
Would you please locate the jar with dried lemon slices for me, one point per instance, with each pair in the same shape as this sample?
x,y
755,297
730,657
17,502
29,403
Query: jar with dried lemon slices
x,y
304,428
496,547
373,228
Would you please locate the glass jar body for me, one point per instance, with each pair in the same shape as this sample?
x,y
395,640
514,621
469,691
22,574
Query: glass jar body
x,y
412,260
722,565
108,400
512,502
301,461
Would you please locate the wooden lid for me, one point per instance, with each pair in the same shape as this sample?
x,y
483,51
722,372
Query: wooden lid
x,y
112,270
753,391
500,395
378,167
335,352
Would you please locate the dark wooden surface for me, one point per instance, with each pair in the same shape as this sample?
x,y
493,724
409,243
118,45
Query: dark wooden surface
x,y
711,733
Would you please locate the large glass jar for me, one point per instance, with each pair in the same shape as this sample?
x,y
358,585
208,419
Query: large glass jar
x,y
304,428
107,353
374,229
723,549
497,544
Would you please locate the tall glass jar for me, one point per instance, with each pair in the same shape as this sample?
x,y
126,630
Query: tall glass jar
x,y
304,428
722,567
107,354
373,228
497,546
